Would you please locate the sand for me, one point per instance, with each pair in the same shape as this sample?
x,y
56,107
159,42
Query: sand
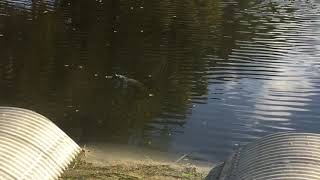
x,y
91,164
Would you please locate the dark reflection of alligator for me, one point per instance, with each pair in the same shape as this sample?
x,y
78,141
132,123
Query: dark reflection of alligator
x,y
125,84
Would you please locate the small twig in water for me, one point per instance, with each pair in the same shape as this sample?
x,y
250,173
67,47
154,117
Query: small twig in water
x,y
148,158
182,157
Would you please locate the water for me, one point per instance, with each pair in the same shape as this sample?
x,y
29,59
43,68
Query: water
x,y
205,75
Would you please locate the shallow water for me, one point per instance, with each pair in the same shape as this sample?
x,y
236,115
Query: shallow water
x,y
198,76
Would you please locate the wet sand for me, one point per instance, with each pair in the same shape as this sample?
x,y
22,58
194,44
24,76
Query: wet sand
x,y
122,162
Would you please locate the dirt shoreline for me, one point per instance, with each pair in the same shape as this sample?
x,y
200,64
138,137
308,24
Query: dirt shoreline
x,y
81,168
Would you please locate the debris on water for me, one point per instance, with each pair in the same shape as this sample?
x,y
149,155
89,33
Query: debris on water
x,y
69,21
96,75
141,31
44,12
1,35
149,75
141,7
80,67
66,65
77,110
131,8
204,123
115,31
174,16
151,95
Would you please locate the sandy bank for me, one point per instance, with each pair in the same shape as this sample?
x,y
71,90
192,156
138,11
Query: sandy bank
x,y
121,162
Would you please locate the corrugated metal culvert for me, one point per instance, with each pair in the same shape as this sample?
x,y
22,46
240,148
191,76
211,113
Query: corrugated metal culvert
x,y
279,156
32,147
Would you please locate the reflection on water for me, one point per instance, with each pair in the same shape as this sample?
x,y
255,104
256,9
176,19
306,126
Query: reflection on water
x,y
197,76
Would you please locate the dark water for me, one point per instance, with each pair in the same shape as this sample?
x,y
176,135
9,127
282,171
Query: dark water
x,y
205,74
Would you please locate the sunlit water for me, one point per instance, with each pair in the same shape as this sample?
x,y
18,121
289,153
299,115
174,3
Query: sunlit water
x,y
205,75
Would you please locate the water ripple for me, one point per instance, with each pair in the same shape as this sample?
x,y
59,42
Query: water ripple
x,y
211,74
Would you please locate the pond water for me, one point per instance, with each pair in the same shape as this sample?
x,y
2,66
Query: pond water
x,y
188,76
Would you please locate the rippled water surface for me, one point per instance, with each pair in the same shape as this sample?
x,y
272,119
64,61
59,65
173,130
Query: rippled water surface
x,y
197,76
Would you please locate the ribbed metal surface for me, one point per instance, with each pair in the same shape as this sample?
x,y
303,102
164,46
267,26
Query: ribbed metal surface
x,y
278,156
31,146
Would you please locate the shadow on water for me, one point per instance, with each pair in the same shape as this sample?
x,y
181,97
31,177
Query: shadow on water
x,y
192,77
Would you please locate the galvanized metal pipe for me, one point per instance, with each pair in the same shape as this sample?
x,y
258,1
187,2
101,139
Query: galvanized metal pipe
x,y
278,156
32,147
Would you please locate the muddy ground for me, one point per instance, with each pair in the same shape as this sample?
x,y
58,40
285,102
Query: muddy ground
x,y
127,170
132,171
